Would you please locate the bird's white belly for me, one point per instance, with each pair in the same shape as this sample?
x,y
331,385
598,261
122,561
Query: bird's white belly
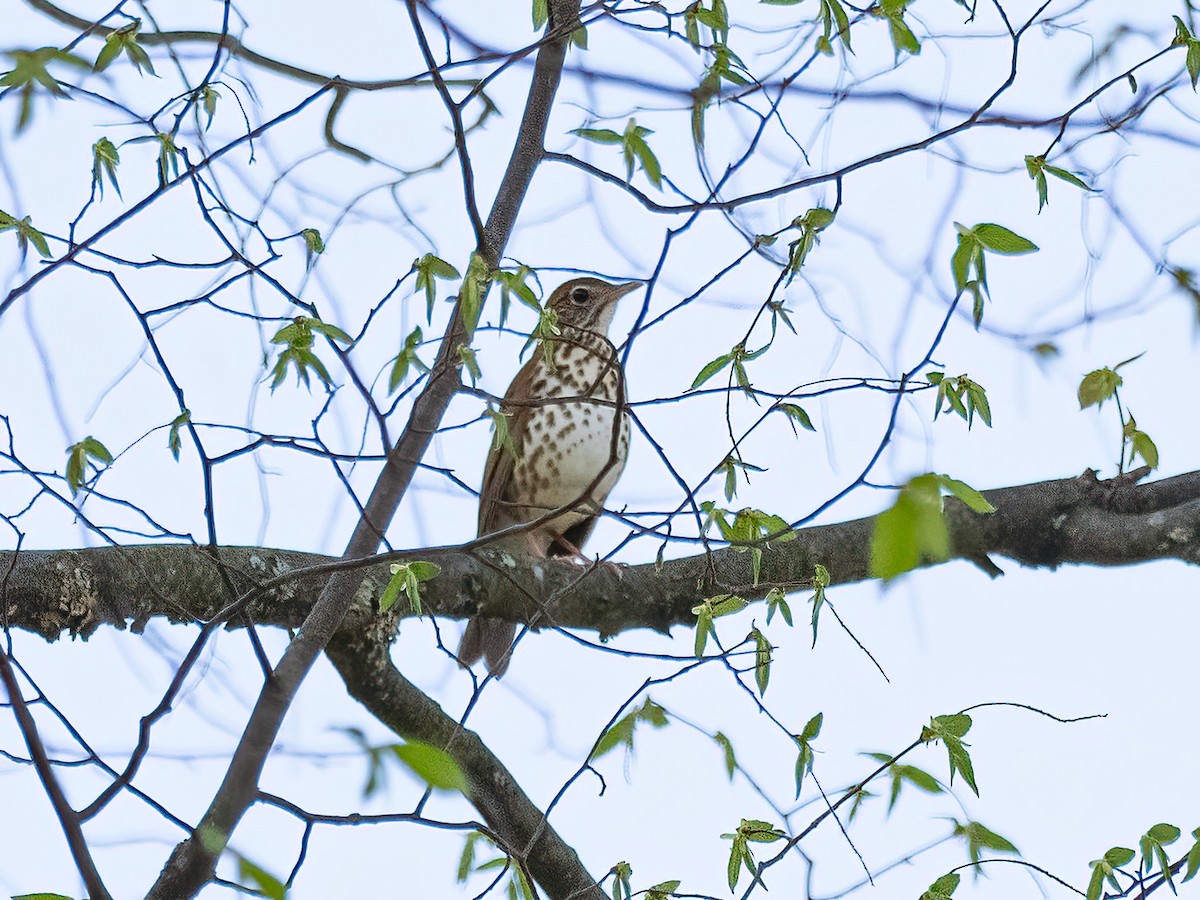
x,y
584,460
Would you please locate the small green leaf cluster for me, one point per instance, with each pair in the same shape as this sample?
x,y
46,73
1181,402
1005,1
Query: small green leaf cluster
x,y
518,888
710,609
1185,38
834,22
314,244
124,40
914,528
963,396
749,831
168,154
903,39
79,455
407,358
208,97
26,233
472,292
298,338
811,224
620,734
502,441
978,837
30,71
762,659
174,442
105,160
1038,169
429,267
715,19
950,730
514,284
263,882
1104,384
901,774
806,755
738,357
1153,846
633,148
750,530
730,466
943,888
968,257
407,577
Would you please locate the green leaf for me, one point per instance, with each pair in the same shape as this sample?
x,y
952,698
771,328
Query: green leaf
x,y
999,239
174,443
776,602
432,765
979,837
299,337
712,608
78,457
501,439
950,730
726,746
266,884
313,243
967,494
943,888
26,233
1140,444
711,369
796,416
429,267
407,358
407,577
913,530
1153,844
1193,857
748,831
541,13
806,755
125,40
466,862
105,160
1098,386
762,660
621,732
598,135
208,102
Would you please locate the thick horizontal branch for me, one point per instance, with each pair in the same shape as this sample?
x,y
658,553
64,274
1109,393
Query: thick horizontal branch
x,y
1077,521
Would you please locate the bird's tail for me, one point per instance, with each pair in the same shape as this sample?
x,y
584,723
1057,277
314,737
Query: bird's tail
x,y
489,639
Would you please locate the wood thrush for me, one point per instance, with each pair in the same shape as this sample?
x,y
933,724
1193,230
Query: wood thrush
x,y
570,432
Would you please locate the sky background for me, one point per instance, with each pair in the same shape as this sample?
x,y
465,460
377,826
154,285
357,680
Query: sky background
x,y
868,304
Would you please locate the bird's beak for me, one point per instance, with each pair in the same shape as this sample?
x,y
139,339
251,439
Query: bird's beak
x,y
627,288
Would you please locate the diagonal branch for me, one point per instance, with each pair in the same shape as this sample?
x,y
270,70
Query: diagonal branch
x,y
192,863
67,817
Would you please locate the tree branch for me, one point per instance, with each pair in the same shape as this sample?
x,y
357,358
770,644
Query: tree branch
x,y
1072,521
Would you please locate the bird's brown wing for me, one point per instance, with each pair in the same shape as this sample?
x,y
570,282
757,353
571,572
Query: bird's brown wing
x,y
496,510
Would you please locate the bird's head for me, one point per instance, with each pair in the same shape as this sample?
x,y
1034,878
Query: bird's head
x,y
588,303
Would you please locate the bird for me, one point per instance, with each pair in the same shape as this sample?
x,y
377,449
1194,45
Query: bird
x,y
568,422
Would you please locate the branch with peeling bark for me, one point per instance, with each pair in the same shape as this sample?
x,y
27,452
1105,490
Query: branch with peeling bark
x,y
1072,521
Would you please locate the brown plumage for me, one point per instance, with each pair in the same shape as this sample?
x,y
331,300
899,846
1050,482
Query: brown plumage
x,y
570,431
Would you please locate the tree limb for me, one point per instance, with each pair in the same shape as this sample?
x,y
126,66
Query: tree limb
x,y
1072,521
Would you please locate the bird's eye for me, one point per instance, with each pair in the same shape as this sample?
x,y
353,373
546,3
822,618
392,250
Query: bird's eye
x,y
580,296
